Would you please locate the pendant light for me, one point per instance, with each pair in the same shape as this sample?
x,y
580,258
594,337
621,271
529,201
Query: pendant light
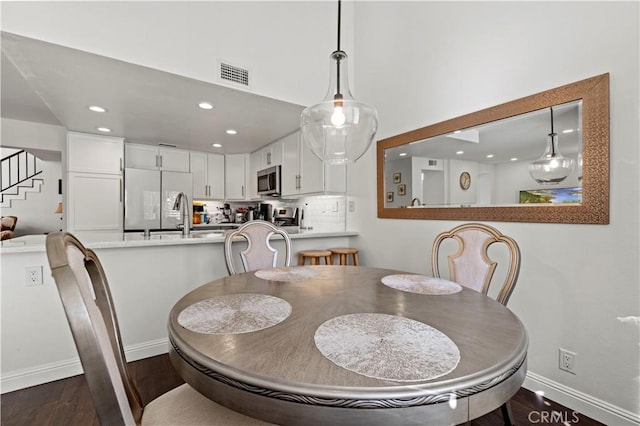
x,y
339,129
552,168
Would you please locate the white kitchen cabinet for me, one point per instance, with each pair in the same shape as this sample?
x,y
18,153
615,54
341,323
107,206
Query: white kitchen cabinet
x,y
94,183
94,202
255,164
151,157
94,154
208,175
235,166
303,173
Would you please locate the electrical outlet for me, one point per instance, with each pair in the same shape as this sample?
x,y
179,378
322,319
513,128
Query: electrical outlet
x,y
567,361
33,275
352,206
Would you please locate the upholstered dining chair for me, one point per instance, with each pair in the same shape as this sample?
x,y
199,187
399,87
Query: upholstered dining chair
x,y
86,298
471,266
8,226
259,253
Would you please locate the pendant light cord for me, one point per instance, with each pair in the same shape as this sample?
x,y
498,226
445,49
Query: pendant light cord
x,y
338,57
553,145
339,21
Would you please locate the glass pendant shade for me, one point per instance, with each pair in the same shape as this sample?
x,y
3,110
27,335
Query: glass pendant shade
x,y
552,168
339,129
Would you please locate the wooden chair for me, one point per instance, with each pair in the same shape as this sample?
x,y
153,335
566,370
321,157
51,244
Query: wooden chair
x,y
89,308
259,253
471,266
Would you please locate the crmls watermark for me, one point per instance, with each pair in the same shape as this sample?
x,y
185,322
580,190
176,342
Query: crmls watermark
x,y
564,417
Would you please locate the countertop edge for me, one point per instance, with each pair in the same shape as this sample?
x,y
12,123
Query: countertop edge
x,y
36,247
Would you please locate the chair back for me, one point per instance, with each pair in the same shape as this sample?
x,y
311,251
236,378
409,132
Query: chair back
x,y
259,253
471,266
88,305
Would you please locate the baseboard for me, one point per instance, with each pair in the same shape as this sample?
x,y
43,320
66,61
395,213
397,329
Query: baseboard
x,y
580,402
68,368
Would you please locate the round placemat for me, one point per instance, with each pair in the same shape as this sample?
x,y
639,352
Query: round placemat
x,y
421,284
294,273
387,347
234,314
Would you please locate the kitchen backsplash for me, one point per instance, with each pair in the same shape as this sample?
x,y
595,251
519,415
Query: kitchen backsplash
x,y
323,213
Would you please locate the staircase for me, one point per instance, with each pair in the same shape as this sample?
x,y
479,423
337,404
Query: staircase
x,y
18,173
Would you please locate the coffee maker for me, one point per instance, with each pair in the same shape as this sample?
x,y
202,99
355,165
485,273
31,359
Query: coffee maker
x,y
265,212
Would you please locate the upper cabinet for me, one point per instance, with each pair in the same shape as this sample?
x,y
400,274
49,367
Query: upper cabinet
x,y
208,175
94,183
303,173
235,166
156,158
94,154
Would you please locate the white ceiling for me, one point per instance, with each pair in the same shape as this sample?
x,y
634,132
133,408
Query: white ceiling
x,y
52,84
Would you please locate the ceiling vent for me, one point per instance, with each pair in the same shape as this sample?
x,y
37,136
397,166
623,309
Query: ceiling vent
x,y
234,74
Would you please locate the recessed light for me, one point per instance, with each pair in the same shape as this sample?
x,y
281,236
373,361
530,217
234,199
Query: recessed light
x,y
459,152
216,145
489,155
567,131
104,129
402,154
97,108
205,105
514,159
231,132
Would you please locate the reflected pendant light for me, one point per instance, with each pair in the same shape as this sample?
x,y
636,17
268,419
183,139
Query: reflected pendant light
x,y
552,168
339,129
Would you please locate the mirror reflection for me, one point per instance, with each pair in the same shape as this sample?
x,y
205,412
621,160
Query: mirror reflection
x,y
492,164
540,158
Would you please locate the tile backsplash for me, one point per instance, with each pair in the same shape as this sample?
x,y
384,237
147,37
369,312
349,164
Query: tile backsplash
x,y
323,213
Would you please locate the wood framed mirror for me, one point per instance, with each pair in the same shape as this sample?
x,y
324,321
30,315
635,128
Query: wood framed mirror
x,y
476,167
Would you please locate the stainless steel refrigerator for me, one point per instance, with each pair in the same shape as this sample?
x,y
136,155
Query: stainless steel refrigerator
x,y
149,196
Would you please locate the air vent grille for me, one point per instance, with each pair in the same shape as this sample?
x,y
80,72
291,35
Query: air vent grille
x,y
433,162
234,74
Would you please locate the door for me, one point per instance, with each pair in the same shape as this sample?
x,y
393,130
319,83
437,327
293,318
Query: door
x,y
141,199
172,183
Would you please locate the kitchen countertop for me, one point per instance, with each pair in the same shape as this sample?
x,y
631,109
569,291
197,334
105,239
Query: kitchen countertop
x,y
105,240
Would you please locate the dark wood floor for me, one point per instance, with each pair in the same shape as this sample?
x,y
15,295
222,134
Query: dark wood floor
x,y
67,402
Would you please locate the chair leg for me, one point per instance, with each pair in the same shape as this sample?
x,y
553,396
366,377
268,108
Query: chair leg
x,y
328,260
507,417
355,259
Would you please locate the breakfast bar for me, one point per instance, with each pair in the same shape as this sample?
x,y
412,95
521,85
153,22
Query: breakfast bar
x,y
147,276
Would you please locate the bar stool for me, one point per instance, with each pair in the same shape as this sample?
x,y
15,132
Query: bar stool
x,y
344,252
314,257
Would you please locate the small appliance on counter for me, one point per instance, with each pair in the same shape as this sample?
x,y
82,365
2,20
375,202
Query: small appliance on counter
x,y
286,216
226,212
265,212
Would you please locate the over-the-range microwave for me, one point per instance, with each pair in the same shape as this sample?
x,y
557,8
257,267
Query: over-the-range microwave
x,y
269,181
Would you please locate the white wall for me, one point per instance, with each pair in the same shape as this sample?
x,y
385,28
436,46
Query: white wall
x,y
424,62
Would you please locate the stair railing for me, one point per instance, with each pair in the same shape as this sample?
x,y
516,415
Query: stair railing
x,y
17,168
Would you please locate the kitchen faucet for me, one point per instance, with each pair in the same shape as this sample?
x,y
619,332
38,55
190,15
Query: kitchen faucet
x,y
182,205
414,201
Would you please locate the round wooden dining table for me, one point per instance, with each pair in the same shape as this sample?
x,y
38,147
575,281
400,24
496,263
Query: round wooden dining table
x,y
347,345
